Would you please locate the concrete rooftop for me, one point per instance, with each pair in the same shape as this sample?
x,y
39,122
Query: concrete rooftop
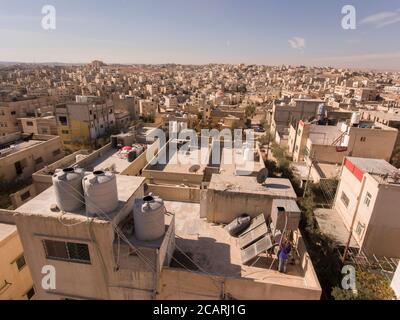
x,y
274,187
216,252
332,225
40,205
6,231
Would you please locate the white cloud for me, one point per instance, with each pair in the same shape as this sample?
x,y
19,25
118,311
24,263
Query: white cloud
x,y
297,43
382,19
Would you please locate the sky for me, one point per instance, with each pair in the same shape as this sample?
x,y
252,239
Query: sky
x,y
269,32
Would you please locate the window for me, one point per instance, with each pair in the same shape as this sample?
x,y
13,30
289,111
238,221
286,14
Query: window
x,y
25,196
13,113
29,123
360,229
39,160
30,293
67,251
63,120
56,152
65,131
18,168
20,262
363,139
345,199
368,198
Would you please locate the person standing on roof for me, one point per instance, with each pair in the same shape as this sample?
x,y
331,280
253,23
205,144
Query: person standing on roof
x,y
283,256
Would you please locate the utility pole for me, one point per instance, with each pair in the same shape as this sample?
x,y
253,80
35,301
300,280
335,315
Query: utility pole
x,y
346,249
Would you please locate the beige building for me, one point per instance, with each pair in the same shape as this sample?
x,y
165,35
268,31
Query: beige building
x,y
102,257
15,278
22,155
283,114
42,125
367,202
147,107
365,94
331,143
84,121
10,112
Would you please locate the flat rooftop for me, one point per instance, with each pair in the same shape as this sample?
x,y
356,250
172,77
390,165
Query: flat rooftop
x,y
332,225
182,161
110,159
377,168
216,252
6,231
274,187
17,146
40,205
324,135
232,162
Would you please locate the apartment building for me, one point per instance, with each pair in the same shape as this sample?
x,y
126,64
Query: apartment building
x,y
330,144
367,201
365,94
147,107
84,122
171,102
21,155
111,157
283,114
15,278
110,254
10,112
46,125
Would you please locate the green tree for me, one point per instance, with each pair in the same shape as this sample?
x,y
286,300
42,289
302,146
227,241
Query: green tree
x,y
370,286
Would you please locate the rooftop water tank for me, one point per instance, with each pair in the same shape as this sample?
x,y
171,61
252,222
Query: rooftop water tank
x,y
100,191
68,189
321,110
355,119
149,218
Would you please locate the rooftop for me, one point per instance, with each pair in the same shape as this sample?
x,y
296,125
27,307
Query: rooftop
x,y
6,231
40,205
216,252
380,169
14,143
274,187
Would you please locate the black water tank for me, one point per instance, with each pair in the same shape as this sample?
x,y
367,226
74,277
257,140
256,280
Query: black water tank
x,y
114,141
131,156
239,225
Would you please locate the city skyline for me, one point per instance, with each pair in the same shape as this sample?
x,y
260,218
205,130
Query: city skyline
x,y
190,32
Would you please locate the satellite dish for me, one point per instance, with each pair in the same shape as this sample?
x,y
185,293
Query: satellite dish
x,y
262,175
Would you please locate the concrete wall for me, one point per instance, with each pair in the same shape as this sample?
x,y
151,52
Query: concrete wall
x,y
28,156
175,193
224,207
179,284
383,231
22,196
19,281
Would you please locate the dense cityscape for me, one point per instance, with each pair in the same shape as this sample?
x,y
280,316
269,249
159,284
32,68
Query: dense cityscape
x,y
199,181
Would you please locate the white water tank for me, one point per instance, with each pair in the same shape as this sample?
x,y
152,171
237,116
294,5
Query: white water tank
x,y
346,141
100,191
149,218
355,119
68,189
248,154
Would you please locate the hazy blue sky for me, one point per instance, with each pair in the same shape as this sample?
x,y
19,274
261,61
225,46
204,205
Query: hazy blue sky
x,y
203,31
